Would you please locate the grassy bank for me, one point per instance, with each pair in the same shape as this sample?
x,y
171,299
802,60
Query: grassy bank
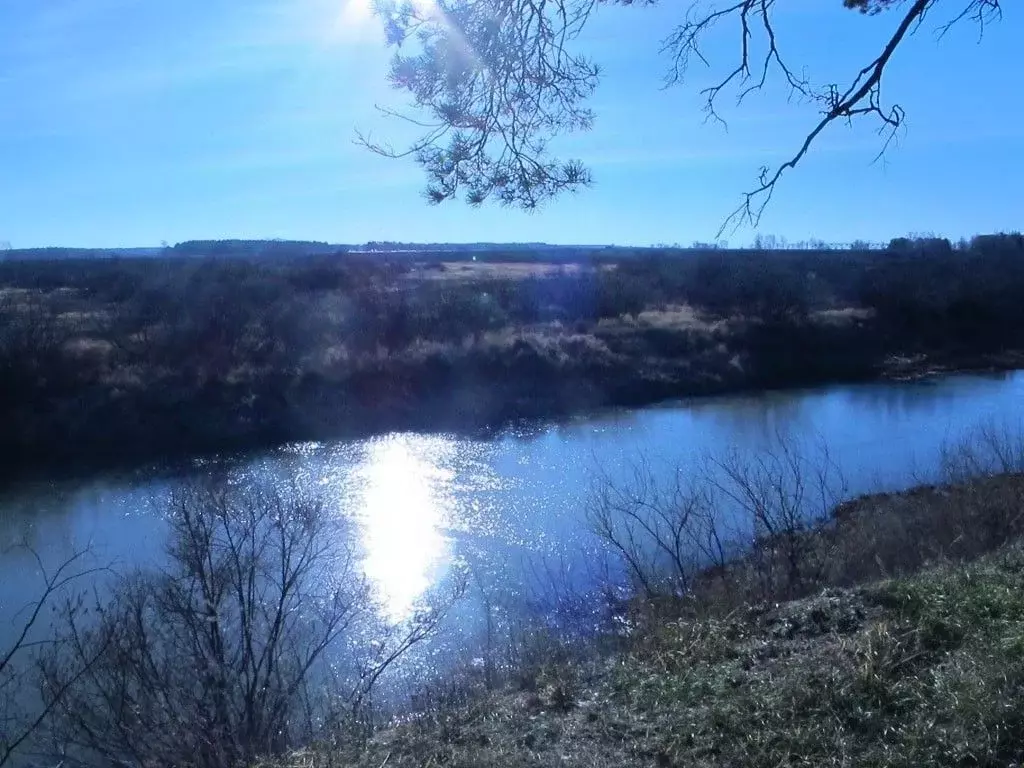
x,y
917,661
107,361
922,671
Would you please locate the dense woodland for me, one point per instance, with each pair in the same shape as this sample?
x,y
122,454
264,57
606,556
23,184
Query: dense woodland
x,y
131,359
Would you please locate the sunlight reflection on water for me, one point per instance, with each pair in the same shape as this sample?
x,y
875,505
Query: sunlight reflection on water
x,y
508,507
400,493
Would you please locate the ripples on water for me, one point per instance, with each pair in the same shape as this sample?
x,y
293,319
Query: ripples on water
x,y
510,510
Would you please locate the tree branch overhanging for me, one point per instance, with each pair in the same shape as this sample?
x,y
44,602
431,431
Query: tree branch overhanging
x,y
862,97
498,83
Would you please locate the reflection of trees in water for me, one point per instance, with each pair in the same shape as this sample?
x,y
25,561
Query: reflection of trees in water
x,y
917,419
605,418
883,433
913,399
753,420
34,517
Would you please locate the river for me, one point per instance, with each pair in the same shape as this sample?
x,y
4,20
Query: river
x,y
420,503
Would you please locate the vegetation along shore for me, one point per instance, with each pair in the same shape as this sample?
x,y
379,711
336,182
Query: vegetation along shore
x,y
225,347
748,616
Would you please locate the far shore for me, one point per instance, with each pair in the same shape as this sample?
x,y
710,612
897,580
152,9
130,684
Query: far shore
x,y
136,450
121,363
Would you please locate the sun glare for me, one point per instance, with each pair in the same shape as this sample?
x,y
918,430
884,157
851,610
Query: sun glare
x,y
402,495
354,19
343,21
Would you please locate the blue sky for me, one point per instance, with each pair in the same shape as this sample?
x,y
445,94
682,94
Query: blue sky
x,y
130,122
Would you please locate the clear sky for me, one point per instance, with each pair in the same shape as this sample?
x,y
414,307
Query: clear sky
x,y
130,122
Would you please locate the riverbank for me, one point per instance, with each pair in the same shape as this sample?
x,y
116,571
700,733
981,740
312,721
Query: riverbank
x,y
916,661
738,662
139,430
911,672
119,363
99,430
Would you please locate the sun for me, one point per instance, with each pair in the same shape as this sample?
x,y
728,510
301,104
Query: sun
x,y
355,15
343,21
356,18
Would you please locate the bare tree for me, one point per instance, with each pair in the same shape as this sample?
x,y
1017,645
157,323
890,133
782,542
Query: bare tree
x,y
228,652
731,516
664,534
493,81
782,490
21,716
991,448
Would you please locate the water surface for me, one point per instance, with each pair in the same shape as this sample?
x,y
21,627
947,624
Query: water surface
x,y
510,508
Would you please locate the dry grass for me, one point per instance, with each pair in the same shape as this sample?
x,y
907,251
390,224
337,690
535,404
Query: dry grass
x,y
85,348
842,315
927,671
485,270
673,316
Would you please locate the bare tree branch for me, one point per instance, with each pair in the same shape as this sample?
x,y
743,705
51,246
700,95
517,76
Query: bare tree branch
x,y
17,659
498,82
861,97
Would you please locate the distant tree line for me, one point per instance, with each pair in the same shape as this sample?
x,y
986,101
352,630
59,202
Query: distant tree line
x,y
141,356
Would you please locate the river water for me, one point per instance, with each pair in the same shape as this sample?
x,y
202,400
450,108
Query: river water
x,y
420,503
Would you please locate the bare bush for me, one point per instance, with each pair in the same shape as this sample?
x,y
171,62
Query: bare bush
x,y
783,491
663,534
990,513
229,652
20,715
992,448
737,524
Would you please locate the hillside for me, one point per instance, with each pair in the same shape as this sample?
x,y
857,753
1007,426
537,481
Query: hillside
x,y
920,671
